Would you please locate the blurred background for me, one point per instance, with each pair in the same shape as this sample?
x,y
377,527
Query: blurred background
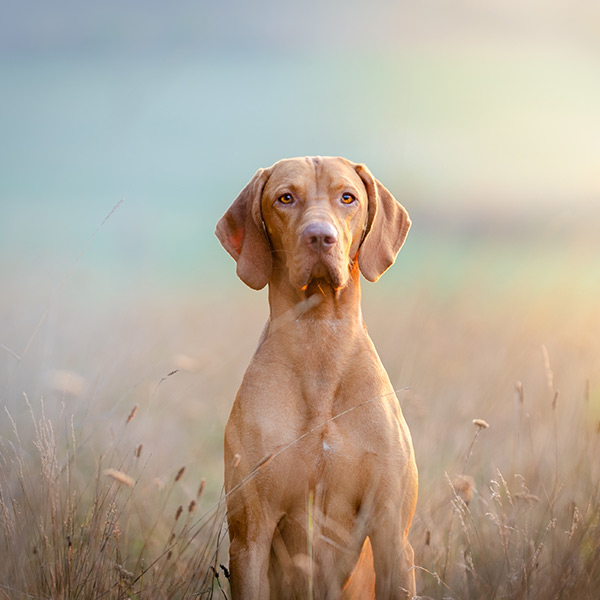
x,y
483,120
127,129
478,116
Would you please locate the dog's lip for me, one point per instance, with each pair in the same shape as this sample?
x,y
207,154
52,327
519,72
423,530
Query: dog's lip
x,y
318,284
322,273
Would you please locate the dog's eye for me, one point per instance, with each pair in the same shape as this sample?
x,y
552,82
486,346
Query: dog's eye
x,y
285,199
348,198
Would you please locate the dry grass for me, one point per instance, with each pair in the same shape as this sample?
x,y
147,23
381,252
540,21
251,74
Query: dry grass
x,y
74,528
110,477
513,510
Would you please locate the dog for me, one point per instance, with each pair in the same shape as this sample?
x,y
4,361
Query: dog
x,y
320,475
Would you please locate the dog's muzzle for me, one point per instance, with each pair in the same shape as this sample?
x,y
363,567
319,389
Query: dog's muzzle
x,y
319,236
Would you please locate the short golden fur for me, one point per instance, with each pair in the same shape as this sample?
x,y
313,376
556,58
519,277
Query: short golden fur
x,y
318,458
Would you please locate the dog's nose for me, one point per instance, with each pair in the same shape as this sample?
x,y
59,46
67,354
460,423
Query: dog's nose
x,y
320,236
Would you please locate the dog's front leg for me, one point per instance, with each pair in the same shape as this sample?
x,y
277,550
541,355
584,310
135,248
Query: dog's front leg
x,y
251,525
249,566
393,555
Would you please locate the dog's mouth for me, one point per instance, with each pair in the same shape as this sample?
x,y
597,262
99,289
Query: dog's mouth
x,y
323,273
318,285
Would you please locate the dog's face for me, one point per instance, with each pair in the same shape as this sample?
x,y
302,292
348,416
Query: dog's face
x,y
313,217
315,213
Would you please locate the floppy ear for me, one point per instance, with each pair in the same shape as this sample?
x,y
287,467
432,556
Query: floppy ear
x,y
241,232
387,226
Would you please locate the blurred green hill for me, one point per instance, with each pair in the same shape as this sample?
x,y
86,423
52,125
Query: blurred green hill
x,y
483,120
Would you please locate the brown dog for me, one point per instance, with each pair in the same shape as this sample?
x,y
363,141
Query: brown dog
x,y
318,457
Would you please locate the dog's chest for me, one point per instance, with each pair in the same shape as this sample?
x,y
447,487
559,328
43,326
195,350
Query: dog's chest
x,y
327,448
335,449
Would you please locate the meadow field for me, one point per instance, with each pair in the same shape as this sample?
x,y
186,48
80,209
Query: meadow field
x,y
124,333
114,405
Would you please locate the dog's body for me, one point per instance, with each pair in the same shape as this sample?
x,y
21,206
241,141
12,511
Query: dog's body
x,y
318,457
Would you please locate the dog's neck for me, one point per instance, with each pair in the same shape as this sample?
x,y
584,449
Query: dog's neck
x,y
317,333
318,303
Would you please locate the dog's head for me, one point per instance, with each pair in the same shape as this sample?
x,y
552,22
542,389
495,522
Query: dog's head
x,y
313,217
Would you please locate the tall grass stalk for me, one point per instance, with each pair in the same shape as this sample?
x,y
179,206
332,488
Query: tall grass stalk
x,y
65,535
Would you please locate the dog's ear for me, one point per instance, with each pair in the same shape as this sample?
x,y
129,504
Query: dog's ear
x,y
241,232
387,226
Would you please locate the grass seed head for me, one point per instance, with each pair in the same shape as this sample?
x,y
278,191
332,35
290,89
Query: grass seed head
x,y
132,414
201,488
464,486
120,477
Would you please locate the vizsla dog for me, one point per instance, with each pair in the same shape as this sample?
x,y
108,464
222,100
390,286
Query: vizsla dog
x,y
319,462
